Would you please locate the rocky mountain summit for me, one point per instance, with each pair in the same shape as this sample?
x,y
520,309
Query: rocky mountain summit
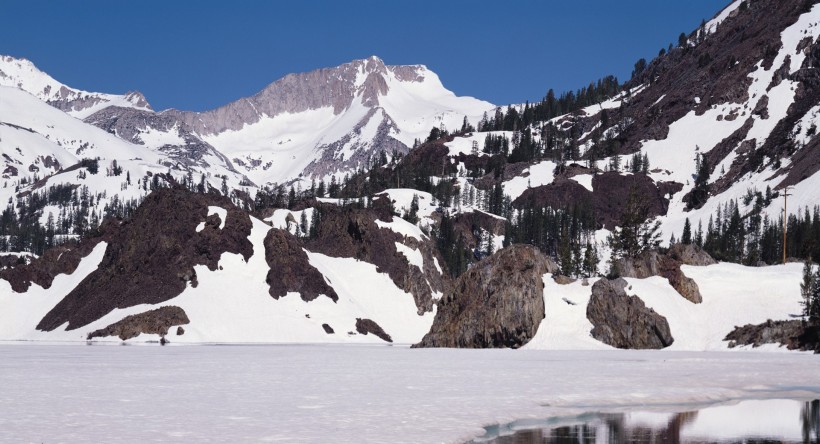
x,y
353,111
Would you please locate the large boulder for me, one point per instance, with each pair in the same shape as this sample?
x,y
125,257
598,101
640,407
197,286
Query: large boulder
x,y
667,265
690,254
156,322
624,321
499,302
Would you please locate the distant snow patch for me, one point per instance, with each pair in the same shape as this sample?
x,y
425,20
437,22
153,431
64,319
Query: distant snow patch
x,y
413,256
540,174
402,227
585,180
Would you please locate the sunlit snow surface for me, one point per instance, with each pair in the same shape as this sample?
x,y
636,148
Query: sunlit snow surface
x,y
347,394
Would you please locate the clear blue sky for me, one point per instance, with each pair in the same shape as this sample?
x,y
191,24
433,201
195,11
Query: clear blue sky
x,y
197,55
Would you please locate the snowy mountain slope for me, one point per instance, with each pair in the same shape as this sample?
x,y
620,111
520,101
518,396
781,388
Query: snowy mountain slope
x,y
22,74
769,105
744,97
314,124
41,142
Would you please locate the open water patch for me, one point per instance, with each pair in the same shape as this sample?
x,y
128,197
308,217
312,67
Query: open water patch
x,y
748,421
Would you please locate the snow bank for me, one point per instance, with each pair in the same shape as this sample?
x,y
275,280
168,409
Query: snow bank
x,y
539,174
21,313
733,295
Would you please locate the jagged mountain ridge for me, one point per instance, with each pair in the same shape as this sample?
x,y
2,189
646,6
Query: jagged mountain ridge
x,y
315,124
22,74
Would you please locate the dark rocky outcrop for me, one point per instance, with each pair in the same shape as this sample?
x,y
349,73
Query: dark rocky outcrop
x,y
62,259
354,233
156,322
328,329
290,269
691,254
150,259
794,334
608,199
499,302
667,265
623,321
368,326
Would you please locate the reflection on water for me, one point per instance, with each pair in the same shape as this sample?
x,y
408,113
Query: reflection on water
x,y
769,421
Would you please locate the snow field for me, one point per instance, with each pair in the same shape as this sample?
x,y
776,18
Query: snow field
x,y
733,295
22,312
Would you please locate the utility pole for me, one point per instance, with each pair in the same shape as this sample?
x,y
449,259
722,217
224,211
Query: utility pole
x,y
785,219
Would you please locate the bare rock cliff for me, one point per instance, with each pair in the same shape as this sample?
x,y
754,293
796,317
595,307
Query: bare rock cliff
x,y
497,303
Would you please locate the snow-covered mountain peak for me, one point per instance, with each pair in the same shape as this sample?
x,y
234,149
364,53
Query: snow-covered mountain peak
x,y
23,74
316,124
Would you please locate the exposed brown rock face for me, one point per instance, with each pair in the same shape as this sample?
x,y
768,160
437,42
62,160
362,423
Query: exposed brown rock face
x,y
609,196
465,224
499,302
155,322
794,334
655,263
62,259
690,254
290,269
353,233
151,259
365,326
623,321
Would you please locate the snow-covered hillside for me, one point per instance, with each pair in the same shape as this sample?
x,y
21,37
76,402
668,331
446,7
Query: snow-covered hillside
x,y
22,74
40,144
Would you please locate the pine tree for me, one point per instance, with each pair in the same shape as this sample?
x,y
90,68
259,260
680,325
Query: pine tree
x,y
412,216
490,244
807,289
591,261
636,231
686,238
315,220
303,223
814,308
699,234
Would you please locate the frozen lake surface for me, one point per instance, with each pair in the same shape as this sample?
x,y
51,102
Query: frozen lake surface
x,y
350,394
